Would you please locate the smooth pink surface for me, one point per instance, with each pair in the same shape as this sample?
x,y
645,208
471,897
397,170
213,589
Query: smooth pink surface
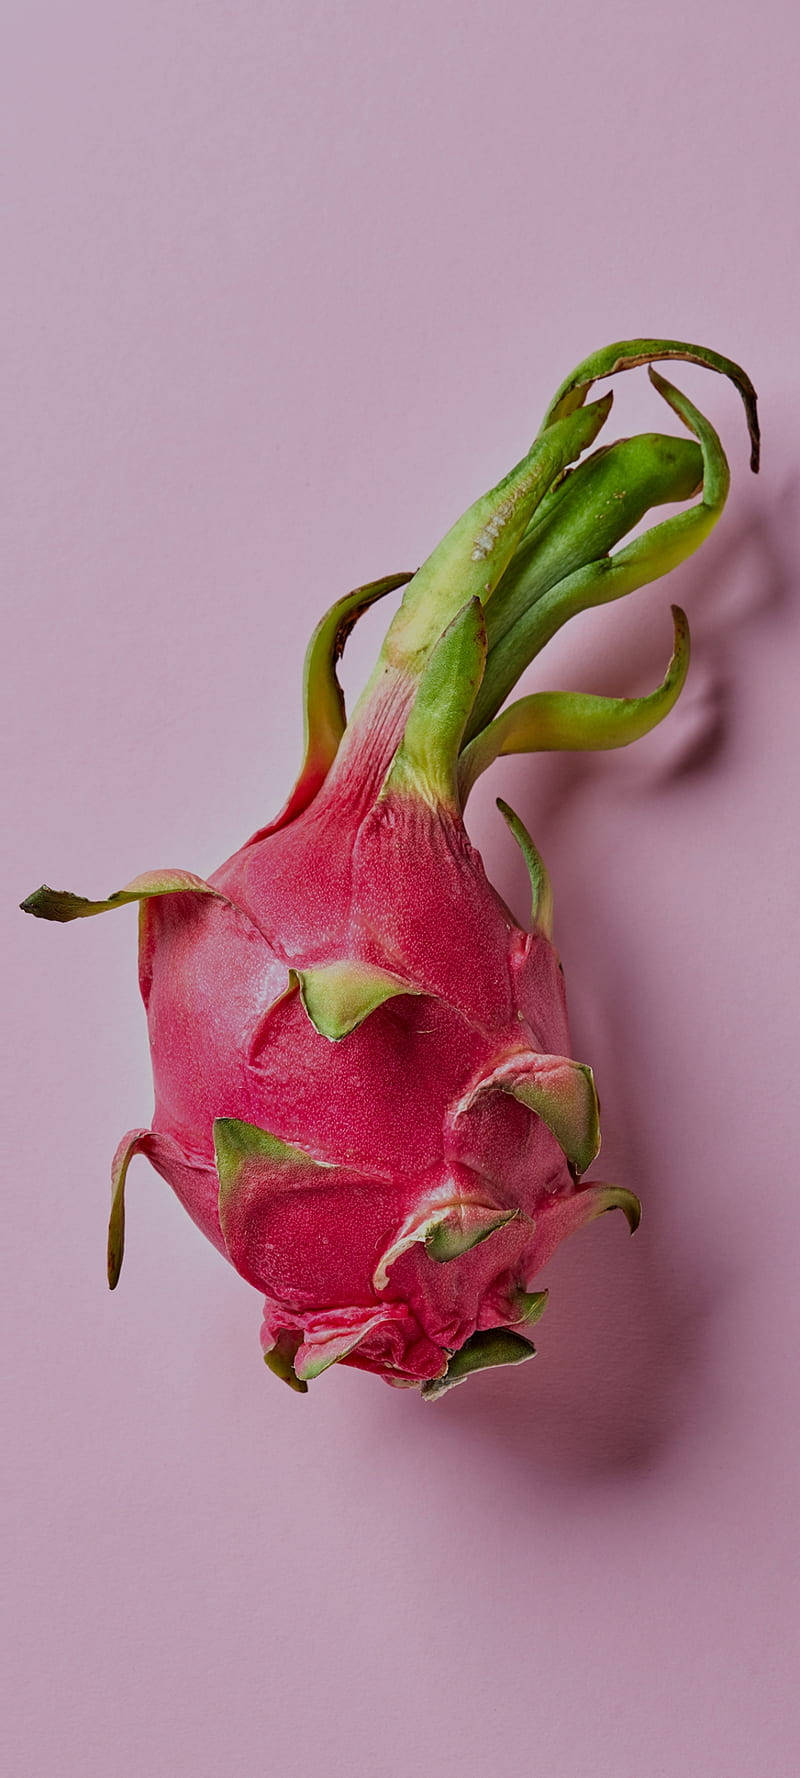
x,y
289,286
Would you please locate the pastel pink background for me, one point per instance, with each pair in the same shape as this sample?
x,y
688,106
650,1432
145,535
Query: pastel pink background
x,y
290,285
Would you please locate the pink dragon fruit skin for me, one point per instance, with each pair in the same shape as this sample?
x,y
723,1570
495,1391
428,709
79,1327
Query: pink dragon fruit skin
x,y
364,1089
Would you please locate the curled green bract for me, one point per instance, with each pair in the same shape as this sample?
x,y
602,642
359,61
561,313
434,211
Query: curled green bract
x,y
546,543
574,721
545,602
626,354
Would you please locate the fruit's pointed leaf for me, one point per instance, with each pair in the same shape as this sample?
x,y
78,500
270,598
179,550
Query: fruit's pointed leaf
x,y
302,1230
326,1346
716,474
671,542
531,1305
580,522
560,1091
465,1227
541,887
625,354
280,1360
447,1230
471,558
497,1345
339,996
561,1216
615,1197
563,1095
251,1162
650,555
426,762
576,721
324,716
237,1144
62,905
665,545
323,699
595,504
133,1143
169,1160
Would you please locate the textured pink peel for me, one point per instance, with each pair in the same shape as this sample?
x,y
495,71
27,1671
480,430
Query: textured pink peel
x,y
447,1228
561,1092
365,1094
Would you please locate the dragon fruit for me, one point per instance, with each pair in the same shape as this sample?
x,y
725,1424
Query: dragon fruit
x,y
364,1090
